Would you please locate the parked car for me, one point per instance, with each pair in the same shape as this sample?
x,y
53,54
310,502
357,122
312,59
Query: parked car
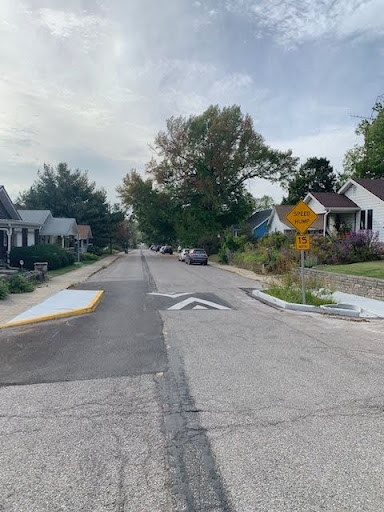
x,y
158,248
196,256
182,254
167,249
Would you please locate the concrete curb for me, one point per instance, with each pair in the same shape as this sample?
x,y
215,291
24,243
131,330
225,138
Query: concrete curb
x,y
74,312
337,309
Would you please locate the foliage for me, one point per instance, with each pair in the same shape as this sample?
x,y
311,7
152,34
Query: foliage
x,y
360,246
367,160
211,244
264,202
54,255
197,186
151,208
230,245
19,284
315,175
289,289
94,249
4,291
68,193
88,256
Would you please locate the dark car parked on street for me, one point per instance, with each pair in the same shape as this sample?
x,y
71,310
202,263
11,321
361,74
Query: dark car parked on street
x,y
167,249
196,256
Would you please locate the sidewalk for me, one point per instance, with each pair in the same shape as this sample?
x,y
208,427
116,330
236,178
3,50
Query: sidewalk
x,y
15,304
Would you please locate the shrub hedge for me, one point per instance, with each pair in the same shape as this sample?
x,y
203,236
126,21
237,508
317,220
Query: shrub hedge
x,y
54,255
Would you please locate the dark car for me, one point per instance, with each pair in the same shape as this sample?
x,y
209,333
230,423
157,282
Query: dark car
x,y
167,249
196,256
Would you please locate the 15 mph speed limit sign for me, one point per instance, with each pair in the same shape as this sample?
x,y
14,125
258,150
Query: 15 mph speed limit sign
x,y
302,242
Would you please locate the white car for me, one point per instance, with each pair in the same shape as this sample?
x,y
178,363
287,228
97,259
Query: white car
x,y
183,253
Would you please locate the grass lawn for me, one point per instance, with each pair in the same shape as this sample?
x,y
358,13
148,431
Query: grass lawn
x,y
69,268
365,269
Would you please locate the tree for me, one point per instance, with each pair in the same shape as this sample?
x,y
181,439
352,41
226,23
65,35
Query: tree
x,y
151,208
202,163
68,193
367,160
264,202
315,175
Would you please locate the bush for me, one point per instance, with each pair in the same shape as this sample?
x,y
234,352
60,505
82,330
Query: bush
x,y
19,284
211,244
356,247
94,249
4,290
88,256
54,255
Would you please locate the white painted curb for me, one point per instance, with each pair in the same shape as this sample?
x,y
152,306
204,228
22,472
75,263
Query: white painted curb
x,y
331,309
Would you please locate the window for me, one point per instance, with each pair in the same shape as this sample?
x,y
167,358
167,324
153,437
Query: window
x,y
362,219
36,236
369,219
24,237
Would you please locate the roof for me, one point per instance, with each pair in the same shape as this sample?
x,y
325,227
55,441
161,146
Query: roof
x,y
35,216
334,200
258,218
282,211
7,208
59,227
85,231
376,187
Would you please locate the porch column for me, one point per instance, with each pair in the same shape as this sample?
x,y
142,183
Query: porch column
x,y
9,245
62,242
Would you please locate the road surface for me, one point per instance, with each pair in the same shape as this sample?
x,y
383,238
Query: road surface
x,y
183,393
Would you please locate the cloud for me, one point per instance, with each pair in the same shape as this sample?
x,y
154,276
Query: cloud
x,y
331,143
293,22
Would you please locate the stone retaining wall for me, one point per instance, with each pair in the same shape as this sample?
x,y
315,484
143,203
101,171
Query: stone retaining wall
x,y
364,286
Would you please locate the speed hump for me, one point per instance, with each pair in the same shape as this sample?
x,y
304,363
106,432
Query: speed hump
x,y
302,242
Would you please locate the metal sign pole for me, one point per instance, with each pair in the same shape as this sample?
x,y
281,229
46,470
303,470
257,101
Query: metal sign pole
x,y
302,276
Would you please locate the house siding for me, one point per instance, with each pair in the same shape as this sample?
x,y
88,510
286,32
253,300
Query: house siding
x,y
277,225
261,230
367,201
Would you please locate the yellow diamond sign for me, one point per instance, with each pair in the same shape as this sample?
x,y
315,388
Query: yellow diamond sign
x,y
301,217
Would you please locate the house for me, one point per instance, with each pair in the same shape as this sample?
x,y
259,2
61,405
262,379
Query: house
x,y
337,210
85,237
14,231
23,228
259,223
61,231
278,222
358,205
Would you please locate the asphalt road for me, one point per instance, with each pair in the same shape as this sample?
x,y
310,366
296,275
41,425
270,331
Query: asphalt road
x,y
183,393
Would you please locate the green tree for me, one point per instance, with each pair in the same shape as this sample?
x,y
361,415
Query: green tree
x,y
264,202
315,175
68,193
151,208
203,163
367,160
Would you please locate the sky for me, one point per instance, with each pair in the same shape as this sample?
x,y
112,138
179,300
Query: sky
x,y
92,82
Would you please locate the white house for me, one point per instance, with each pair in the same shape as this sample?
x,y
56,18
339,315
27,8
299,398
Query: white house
x,y
358,205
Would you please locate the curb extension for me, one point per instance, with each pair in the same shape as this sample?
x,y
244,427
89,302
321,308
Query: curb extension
x,y
74,312
343,310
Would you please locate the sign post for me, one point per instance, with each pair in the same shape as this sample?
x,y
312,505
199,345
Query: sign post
x,y
302,217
